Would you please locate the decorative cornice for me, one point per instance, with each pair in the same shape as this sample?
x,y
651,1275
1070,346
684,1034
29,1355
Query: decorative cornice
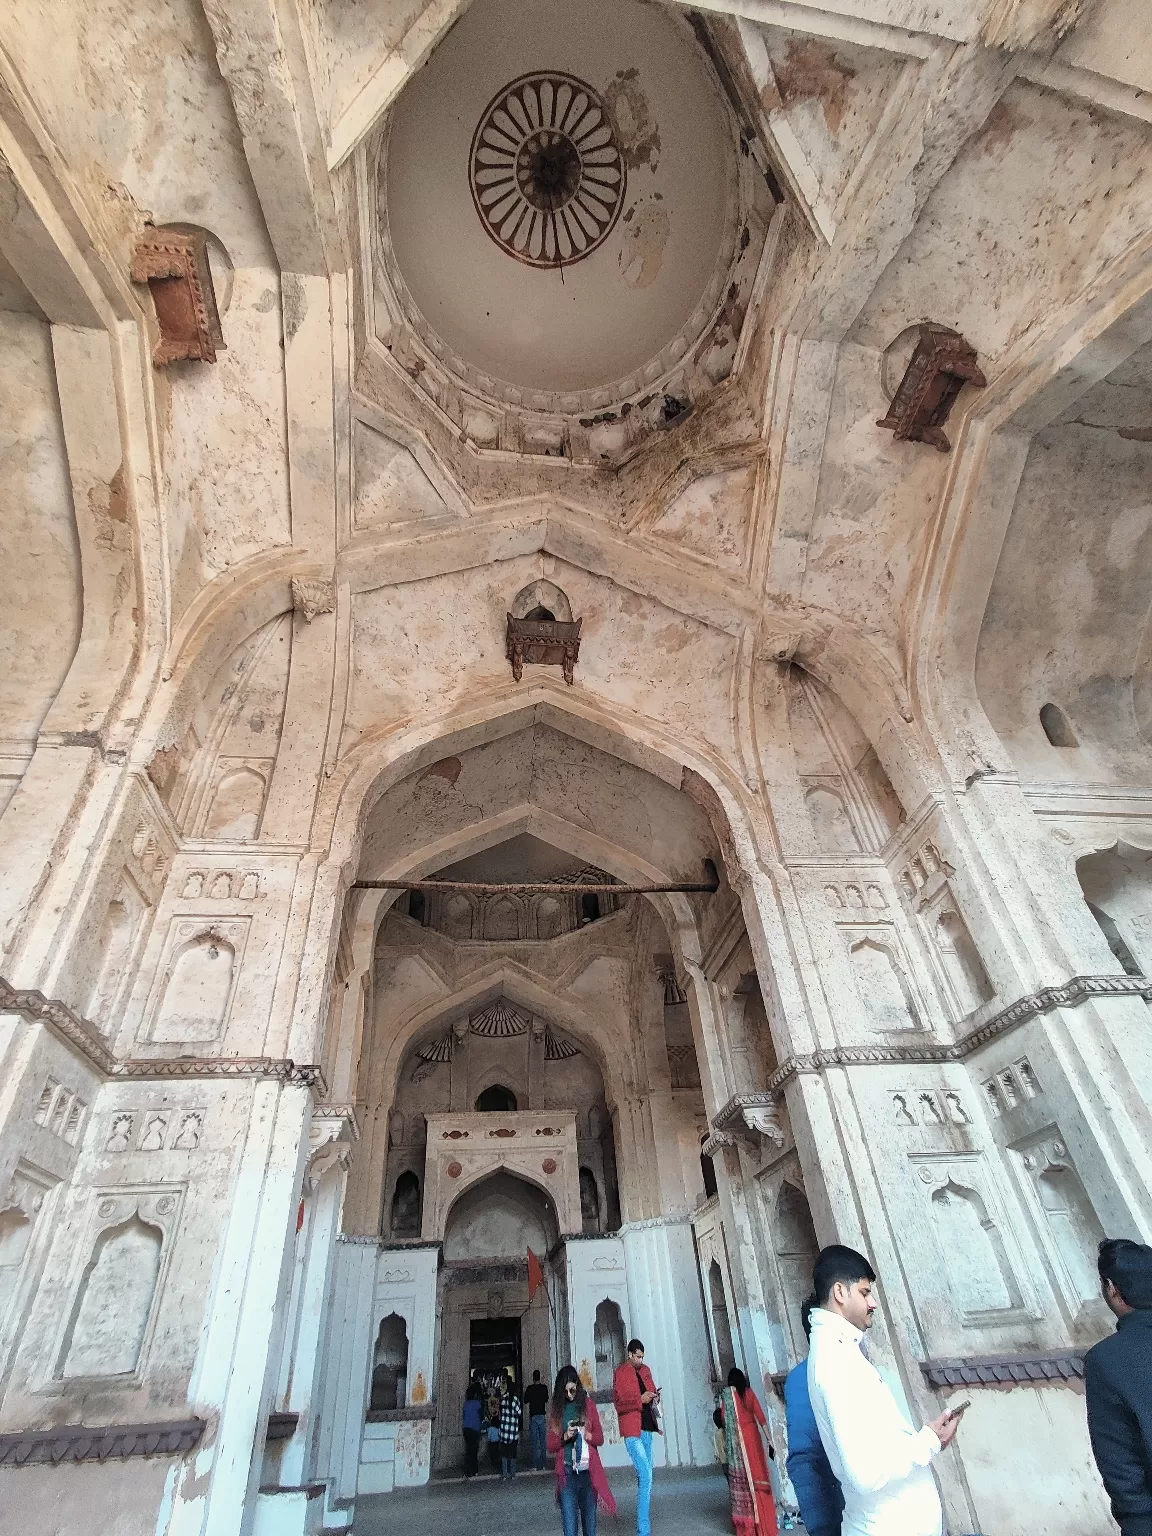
x,y
1070,995
110,1442
400,1415
277,1069
84,1037
60,1019
1005,1370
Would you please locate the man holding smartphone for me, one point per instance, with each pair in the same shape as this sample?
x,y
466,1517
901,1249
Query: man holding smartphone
x,y
882,1463
637,1400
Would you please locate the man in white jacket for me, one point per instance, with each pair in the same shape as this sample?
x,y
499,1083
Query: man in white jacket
x,y
883,1464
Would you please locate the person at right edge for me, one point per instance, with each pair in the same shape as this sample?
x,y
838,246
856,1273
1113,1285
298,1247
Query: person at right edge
x,y
883,1465
817,1491
635,1396
1118,1385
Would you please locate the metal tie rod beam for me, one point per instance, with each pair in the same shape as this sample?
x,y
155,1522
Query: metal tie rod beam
x,y
539,888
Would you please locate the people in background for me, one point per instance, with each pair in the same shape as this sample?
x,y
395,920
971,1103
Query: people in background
x,y
574,1438
637,1401
719,1444
536,1406
492,1402
749,1481
1118,1386
473,1426
818,1493
511,1417
883,1465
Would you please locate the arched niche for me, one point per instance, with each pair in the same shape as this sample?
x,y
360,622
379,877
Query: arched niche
x,y
983,1282
234,813
609,1340
496,1100
549,918
198,991
1117,886
114,951
114,1303
390,1365
794,1238
590,1218
831,823
721,1323
541,595
407,1206
881,986
15,1235
961,960
500,1217
502,919
707,1171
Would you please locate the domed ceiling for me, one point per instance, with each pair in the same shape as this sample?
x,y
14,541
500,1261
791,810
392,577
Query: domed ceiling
x,y
563,211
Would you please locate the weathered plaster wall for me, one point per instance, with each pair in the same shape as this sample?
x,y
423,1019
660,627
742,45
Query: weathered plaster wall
x,y
40,584
1079,618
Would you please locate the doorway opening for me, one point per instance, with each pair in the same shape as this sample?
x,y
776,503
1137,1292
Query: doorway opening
x,y
494,1349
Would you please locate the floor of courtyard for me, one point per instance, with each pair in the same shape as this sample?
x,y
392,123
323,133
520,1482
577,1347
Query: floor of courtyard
x,y
685,1502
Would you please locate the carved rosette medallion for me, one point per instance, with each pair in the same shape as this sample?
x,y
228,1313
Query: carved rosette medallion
x,y
547,176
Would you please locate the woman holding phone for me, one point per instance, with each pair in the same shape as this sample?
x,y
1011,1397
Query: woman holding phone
x,y
574,1438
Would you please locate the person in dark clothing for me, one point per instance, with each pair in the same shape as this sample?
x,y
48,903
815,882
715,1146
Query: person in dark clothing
x,y
536,1407
819,1495
473,1426
1118,1386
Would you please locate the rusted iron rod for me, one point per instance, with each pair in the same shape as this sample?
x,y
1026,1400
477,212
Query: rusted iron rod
x,y
541,888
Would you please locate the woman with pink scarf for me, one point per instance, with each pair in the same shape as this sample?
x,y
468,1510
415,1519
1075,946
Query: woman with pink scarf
x,y
574,1438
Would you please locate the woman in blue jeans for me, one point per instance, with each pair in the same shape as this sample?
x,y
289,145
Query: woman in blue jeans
x,y
574,1436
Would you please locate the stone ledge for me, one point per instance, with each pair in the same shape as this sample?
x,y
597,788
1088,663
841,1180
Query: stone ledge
x,y
110,1442
400,1415
1005,1370
282,1426
1069,995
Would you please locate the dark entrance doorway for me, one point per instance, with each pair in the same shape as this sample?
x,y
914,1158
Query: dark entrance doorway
x,y
494,1348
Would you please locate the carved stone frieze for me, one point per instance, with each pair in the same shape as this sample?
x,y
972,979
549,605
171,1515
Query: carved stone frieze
x,y
1004,1370
111,1442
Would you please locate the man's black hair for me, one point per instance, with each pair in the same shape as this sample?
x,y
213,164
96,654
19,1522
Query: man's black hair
x,y
634,1345
1129,1267
535,1375
838,1263
806,1314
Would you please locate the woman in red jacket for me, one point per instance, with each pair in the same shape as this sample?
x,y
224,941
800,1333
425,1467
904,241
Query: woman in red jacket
x,y
574,1435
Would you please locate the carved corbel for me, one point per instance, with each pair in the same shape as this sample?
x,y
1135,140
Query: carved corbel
x,y
754,1118
174,264
332,1134
312,596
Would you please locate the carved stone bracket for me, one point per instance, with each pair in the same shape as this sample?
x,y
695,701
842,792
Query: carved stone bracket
x,y
543,643
174,264
1004,1370
112,1442
938,370
717,1142
754,1118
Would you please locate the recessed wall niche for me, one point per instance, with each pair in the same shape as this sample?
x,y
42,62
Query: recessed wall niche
x,y
199,979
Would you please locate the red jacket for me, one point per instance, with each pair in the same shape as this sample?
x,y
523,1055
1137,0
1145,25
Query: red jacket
x,y
626,1396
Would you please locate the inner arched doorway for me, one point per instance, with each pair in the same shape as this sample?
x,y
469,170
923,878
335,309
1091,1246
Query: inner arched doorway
x,y
489,1332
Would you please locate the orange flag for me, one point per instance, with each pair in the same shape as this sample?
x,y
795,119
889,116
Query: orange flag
x,y
535,1275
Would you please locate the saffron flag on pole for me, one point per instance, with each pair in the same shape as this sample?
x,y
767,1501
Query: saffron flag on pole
x,y
535,1275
